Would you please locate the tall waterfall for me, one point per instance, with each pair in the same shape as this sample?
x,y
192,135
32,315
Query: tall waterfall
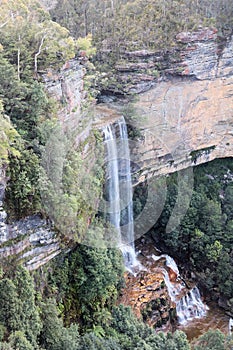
x,y
113,178
188,302
119,188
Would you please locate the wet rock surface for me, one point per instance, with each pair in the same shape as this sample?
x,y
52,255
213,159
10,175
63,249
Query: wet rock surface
x,y
153,300
146,291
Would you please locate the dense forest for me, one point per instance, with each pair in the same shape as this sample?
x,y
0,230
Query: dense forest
x,y
135,23
121,26
203,241
72,303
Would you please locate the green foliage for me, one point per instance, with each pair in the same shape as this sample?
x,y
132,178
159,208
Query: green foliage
x,y
204,238
8,136
5,346
19,341
8,305
18,312
85,45
213,340
91,342
54,336
31,40
87,284
70,184
22,192
24,102
134,334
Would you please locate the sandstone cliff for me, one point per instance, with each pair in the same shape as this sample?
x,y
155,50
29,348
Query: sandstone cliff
x,y
33,241
187,122
30,241
184,117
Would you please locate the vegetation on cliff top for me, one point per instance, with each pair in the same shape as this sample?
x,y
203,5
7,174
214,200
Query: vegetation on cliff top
x,y
123,26
30,39
135,22
30,44
80,291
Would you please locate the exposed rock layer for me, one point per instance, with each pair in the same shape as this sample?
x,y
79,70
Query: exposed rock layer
x,y
146,291
67,89
31,241
182,124
185,117
195,54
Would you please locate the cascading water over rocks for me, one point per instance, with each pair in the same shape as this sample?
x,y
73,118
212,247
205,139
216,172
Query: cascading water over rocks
x,y
188,302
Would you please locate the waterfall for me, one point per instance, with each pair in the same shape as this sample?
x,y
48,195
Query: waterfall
x,y
190,306
170,262
188,302
119,188
113,178
230,325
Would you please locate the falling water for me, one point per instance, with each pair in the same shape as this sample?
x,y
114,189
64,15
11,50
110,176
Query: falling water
x,y
170,262
120,188
188,303
190,306
173,290
113,184
230,325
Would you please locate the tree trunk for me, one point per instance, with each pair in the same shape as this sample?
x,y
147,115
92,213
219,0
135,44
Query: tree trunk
x,y
85,22
18,59
37,54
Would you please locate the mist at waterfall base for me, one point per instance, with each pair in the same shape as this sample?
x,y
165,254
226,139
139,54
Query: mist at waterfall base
x,y
119,194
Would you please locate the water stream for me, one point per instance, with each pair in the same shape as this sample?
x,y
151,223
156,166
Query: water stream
x,y
119,188
190,308
215,318
188,302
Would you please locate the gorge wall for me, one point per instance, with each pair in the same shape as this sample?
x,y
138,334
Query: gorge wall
x,y
33,241
182,113
181,117
184,117
184,124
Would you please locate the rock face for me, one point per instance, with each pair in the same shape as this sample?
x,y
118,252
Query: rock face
x,y
186,118
146,292
195,55
67,88
183,124
30,241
